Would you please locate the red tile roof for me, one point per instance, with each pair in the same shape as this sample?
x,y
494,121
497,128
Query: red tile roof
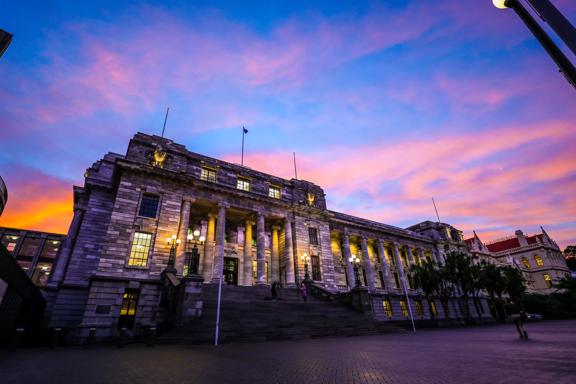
x,y
533,239
504,245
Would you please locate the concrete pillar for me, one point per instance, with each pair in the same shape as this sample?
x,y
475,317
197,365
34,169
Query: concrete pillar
x,y
367,264
182,233
67,248
385,266
208,262
248,254
290,278
274,255
422,255
410,256
347,255
220,240
399,262
260,250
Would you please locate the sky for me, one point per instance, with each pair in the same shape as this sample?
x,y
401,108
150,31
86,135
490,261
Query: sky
x,y
385,103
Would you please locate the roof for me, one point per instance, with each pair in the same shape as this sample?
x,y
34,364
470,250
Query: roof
x,y
504,245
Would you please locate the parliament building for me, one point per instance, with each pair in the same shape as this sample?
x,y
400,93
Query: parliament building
x,y
155,228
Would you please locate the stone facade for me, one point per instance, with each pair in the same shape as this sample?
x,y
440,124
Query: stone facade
x,y
537,256
160,219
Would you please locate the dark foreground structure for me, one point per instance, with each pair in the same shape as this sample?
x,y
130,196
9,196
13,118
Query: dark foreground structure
x,y
490,354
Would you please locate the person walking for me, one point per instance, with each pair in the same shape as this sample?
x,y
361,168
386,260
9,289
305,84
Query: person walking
x,y
274,290
518,316
304,291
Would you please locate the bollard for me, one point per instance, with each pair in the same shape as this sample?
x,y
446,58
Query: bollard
x,y
121,338
55,338
151,336
17,339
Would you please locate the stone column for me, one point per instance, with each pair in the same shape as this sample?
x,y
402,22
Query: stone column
x,y
260,250
67,248
422,255
274,255
410,256
399,263
182,233
367,265
385,265
220,240
247,271
290,278
207,270
347,255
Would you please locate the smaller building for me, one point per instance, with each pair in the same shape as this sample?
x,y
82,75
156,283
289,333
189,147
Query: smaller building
x,y
537,256
34,251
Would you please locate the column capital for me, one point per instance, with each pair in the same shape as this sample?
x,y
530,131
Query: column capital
x,y
276,227
212,215
223,204
250,222
188,199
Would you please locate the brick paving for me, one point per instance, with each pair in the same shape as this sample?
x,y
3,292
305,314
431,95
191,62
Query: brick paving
x,y
489,354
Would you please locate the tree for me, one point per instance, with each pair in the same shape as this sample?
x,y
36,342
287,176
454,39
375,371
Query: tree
x,y
426,278
460,272
570,257
493,281
445,290
514,285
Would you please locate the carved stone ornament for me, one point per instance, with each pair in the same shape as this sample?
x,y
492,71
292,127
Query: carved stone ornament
x,y
310,198
159,157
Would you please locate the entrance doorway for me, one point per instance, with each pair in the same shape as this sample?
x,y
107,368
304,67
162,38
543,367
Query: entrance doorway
x,y
231,270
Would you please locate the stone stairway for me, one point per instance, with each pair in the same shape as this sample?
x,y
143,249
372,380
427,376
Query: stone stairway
x,y
248,314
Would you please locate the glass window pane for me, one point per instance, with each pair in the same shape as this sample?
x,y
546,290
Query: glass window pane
x,y
10,242
149,206
140,250
50,249
41,274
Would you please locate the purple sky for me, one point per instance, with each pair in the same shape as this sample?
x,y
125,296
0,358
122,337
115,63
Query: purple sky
x,y
386,104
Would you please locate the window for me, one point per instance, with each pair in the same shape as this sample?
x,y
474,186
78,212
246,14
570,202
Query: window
x,y
404,307
526,263
381,275
313,235
128,308
419,308
243,184
140,250
148,206
432,306
208,174
387,308
41,274
538,260
410,282
50,249
396,280
10,242
274,191
547,280
315,260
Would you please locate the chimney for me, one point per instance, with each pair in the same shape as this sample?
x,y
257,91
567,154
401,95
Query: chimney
x,y
521,238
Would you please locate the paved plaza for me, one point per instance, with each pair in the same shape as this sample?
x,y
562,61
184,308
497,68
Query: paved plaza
x,y
488,354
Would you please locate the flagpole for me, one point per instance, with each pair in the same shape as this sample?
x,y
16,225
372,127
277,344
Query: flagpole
x,y
436,209
242,158
295,171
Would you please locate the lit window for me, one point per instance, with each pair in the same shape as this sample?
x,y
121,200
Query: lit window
x,y
404,307
10,242
128,308
41,274
387,308
254,271
140,250
538,260
243,184
149,206
274,191
50,249
432,307
548,280
526,263
208,174
419,308
313,236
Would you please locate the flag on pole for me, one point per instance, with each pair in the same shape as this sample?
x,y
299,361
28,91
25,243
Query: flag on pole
x,y
245,130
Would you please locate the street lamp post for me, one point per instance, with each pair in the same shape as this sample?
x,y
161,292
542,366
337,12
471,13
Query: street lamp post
x,y
173,243
558,23
355,260
306,259
194,239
